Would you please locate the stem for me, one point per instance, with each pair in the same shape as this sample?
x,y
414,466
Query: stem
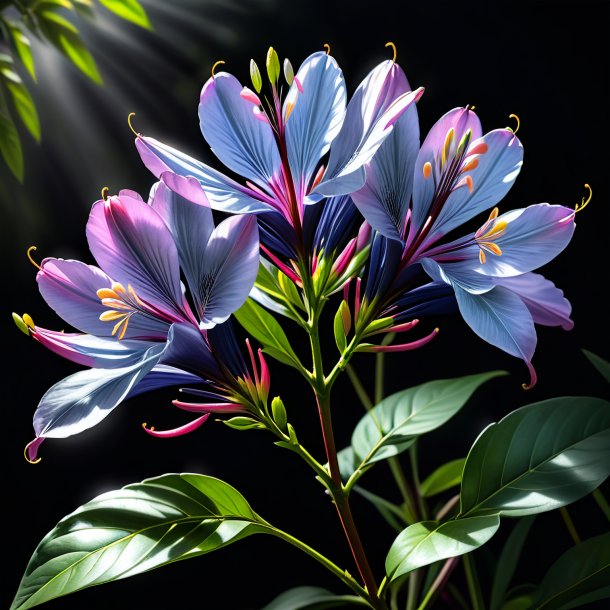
x,y
367,403
598,496
439,582
472,579
413,590
423,511
567,519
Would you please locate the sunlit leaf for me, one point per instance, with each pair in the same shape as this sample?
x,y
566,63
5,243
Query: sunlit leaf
x,y
10,146
130,10
23,48
22,101
443,478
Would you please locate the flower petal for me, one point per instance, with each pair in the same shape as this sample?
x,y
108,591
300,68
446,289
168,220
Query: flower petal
x,y
82,400
460,120
132,244
384,198
314,110
242,142
222,192
544,300
377,103
458,273
228,269
163,376
190,352
501,318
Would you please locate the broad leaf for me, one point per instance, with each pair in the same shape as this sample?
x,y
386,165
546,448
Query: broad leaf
x,y
130,10
443,478
135,529
424,543
22,100
312,598
538,458
264,328
508,561
10,145
602,366
581,575
394,424
23,48
393,515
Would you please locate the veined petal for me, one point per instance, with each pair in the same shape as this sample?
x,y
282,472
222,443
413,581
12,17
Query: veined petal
x,y
191,225
458,274
544,300
91,351
501,318
70,288
492,178
376,105
384,198
314,110
131,243
82,400
460,120
223,193
190,352
163,376
228,269
242,142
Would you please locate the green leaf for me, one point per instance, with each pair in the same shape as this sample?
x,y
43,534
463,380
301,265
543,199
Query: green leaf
x,y
22,100
389,511
265,329
581,575
538,458
312,598
66,38
424,543
394,424
23,48
443,478
523,602
602,366
10,146
135,529
508,561
347,463
242,423
130,10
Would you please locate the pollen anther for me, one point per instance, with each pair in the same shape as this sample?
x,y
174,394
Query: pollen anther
x,y
427,170
393,46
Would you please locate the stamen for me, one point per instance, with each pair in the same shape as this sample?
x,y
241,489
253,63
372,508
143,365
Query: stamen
x,y
516,129
482,257
107,293
250,96
479,149
104,193
427,170
289,109
118,287
218,63
109,316
29,255
20,323
447,145
190,427
34,445
318,178
583,204
28,320
469,183
472,164
129,117
327,47
391,44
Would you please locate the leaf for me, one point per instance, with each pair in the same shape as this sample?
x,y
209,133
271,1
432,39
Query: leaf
x,y
22,100
508,561
394,424
389,511
523,602
538,458
130,10
443,478
581,575
23,48
265,328
311,598
10,146
135,529
424,543
602,366
66,38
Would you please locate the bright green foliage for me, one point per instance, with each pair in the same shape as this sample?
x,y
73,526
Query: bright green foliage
x,y
443,478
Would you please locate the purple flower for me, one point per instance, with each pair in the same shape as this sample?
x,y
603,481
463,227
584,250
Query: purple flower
x,y
138,331
277,147
414,197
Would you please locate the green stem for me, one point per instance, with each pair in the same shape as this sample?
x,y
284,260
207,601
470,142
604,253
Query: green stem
x,y
414,578
439,582
421,505
474,589
598,496
367,403
567,519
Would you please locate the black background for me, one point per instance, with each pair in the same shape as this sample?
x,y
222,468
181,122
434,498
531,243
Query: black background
x,y
546,62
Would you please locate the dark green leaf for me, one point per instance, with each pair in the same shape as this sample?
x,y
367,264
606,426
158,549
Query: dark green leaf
x,y
130,10
538,458
22,100
265,329
581,575
508,561
10,146
523,602
133,530
394,424
23,48
390,512
312,598
443,478
424,543
602,366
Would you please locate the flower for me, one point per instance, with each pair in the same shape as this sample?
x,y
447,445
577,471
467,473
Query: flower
x,y
278,146
138,330
414,197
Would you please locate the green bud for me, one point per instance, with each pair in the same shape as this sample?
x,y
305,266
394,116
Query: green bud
x,y
339,329
21,325
242,423
255,76
273,65
279,413
288,72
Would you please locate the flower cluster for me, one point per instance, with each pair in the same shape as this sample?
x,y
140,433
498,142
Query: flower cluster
x,y
342,195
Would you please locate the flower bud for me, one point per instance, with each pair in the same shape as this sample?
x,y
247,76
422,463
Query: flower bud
x,y
273,65
288,72
255,76
278,411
